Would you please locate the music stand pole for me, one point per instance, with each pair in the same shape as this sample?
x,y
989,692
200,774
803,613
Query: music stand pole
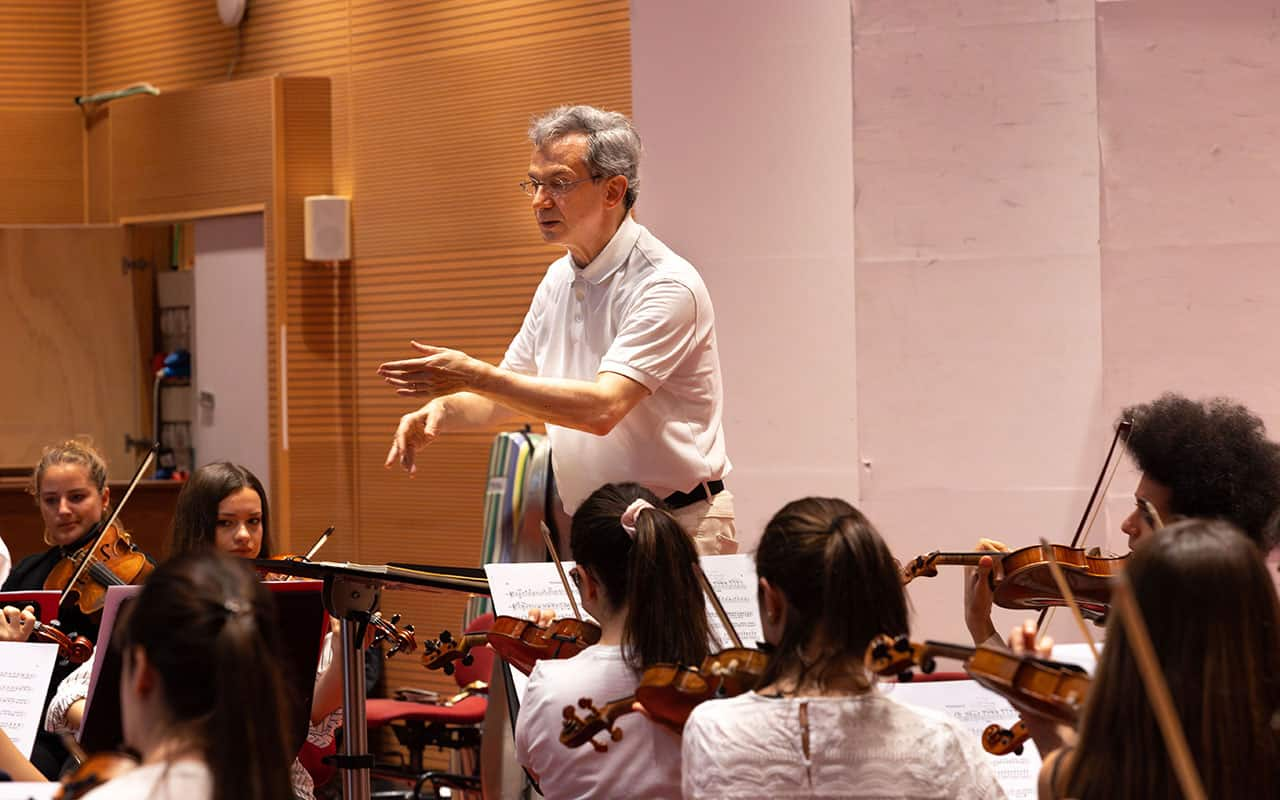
x,y
352,601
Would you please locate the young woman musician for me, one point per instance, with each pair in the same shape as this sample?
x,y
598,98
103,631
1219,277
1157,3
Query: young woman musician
x,y
70,488
817,726
635,572
1211,610
222,507
1234,475
201,692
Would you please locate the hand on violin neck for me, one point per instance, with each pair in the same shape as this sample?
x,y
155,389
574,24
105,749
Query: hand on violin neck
x,y
16,625
1022,641
979,595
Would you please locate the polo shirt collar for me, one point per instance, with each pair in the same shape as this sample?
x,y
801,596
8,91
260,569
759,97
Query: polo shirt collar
x,y
614,254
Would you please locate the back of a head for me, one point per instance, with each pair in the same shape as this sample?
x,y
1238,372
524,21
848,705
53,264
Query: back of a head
x,y
841,584
653,574
195,518
1211,610
1214,457
613,146
209,629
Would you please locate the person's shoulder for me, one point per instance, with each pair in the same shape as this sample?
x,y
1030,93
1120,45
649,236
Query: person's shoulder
x,y
30,572
746,707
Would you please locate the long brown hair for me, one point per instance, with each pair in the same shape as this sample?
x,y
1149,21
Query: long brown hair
x,y
1211,608
209,629
653,575
841,585
195,519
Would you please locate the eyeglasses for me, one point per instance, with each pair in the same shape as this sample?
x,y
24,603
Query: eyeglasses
x,y
555,188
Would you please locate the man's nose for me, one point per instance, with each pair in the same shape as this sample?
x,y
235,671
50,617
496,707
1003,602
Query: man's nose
x,y
542,197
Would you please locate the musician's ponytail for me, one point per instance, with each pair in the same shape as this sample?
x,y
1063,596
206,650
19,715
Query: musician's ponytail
x,y
651,572
208,628
841,587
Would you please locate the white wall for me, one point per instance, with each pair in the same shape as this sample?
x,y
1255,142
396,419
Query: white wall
x,y
1059,209
229,351
746,116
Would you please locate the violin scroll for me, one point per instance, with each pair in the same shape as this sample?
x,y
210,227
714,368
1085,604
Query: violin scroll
x,y
576,731
383,630
889,656
1000,741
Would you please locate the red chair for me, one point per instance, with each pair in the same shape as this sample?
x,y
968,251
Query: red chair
x,y
418,726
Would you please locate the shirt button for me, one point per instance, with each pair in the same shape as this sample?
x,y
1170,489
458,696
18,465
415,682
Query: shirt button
x,y
581,295
578,318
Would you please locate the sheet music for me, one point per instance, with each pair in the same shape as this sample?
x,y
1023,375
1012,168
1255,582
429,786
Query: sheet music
x,y
733,578
25,671
975,708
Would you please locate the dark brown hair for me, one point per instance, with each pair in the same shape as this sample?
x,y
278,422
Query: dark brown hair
x,y
842,588
1211,609
209,629
195,520
653,575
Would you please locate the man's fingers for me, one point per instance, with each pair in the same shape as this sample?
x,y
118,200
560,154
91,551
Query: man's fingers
x,y
425,348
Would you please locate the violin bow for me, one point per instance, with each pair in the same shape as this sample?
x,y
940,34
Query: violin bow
x,y
133,484
1061,580
1100,487
564,581
315,548
1175,738
710,592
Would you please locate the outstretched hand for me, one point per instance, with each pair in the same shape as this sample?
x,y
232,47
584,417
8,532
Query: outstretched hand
x,y
15,625
439,371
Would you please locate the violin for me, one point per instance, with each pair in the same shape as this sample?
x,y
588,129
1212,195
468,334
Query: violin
x,y
1000,741
315,548
1052,689
440,653
76,650
380,630
93,771
522,642
111,559
669,693
1023,578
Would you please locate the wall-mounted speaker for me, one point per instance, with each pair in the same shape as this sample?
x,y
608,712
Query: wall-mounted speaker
x,y
328,228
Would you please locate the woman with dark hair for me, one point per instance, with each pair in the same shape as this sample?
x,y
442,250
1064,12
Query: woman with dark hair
x,y
1211,610
818,726
636,574
201,694
1209,459
223,507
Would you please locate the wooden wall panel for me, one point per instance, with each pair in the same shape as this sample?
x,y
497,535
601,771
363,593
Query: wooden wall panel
x,y
191,151
75,351
41,53
41,167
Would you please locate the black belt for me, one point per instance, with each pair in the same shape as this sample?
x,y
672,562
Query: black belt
x,y
677,500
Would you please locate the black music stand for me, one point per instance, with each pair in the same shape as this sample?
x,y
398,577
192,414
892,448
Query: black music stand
x,y
351,594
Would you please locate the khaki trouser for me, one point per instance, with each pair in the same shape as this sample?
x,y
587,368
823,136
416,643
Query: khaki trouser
x,y
711,525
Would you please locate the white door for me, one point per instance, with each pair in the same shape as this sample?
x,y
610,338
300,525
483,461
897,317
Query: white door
x,y
229,351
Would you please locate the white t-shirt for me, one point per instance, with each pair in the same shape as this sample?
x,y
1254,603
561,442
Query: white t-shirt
x,y
177,780
644,764
641,311
859,747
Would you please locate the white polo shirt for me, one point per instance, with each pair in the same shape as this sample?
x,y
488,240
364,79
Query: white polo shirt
x,y
643,312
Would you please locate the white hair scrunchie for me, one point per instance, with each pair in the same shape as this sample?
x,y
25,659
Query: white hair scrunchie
x,y
628,518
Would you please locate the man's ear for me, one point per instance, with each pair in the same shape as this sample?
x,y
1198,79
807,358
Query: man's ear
x,y
615,190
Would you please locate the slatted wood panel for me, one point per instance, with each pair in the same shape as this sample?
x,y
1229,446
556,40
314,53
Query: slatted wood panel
x,y
71,355
41,167
41,53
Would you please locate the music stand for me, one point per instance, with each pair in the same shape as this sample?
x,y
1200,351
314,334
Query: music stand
x,y
351,594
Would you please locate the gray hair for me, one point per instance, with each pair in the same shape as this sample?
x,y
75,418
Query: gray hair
x,y
613,146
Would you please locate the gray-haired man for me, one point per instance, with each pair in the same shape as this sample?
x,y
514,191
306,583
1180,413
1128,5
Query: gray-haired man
x,y
617,353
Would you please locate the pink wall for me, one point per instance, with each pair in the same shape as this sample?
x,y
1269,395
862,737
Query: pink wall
x,y
1059,209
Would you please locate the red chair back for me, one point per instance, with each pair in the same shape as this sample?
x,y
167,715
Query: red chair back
x,y
481,667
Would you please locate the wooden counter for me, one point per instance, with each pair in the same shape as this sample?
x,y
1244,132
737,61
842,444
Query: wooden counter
x,y
148,517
